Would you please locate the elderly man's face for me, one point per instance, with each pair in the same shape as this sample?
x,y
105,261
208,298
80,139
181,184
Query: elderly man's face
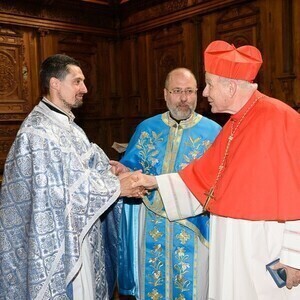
x,y
72,88
216,93
181,95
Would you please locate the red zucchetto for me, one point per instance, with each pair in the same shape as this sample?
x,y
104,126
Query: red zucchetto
x,y
223,59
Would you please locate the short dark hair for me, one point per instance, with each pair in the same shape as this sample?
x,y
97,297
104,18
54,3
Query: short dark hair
x,y
55,66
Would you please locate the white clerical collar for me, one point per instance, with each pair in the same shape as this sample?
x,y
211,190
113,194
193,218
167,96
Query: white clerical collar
x,y
170,117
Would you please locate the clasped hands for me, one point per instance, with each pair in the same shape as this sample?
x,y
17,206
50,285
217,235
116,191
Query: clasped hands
x,y
133,184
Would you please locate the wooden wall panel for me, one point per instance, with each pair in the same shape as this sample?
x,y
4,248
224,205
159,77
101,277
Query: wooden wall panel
x,y
85,51
15,94
167,54
296,52
126,56
17,84
108,132
8,132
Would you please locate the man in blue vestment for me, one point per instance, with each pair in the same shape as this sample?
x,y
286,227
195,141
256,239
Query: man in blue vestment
x,y
56,185
159,259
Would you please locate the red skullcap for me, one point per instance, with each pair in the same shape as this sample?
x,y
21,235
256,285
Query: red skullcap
x,y
223,59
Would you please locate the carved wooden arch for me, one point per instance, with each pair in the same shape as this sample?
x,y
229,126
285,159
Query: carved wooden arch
x,y
239,25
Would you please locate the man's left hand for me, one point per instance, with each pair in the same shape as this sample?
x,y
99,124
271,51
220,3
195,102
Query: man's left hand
x,y
292,275
117,168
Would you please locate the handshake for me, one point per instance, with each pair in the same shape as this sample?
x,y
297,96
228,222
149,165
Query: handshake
x,y
133,184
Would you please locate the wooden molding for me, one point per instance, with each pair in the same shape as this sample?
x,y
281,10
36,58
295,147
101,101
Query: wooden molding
x,y
53,25
188,12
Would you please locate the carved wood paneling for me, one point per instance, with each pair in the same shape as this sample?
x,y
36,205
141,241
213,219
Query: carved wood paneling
x,y
287,75
240,26
8,132
108,132
64,15
136,89
167,54
14,77
126,55
15,85
84,50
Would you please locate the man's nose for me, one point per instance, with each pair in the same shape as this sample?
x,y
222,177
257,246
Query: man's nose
x,y
183,95
84,88
205,92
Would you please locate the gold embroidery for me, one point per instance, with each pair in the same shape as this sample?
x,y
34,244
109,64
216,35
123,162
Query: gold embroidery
x,y
156,264
198,147
182,267
155,234
180,297
148,153
183,236
155,295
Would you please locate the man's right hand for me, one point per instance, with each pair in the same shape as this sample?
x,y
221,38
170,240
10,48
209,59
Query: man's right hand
x,y
147,181
127,181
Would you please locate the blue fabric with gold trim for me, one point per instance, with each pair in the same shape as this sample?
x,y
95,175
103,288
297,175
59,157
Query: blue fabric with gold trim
x,y
167,252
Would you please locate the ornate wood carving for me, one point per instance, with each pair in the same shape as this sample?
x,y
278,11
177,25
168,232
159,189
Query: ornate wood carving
x,y
238,25
55,12
169,12
155,11
126,52
13,75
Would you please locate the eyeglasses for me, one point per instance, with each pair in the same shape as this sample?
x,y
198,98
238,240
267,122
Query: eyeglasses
x,y
177,91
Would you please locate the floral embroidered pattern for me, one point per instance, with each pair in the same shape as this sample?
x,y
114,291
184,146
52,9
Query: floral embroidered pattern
x,y
180,297
156,234
155,295
182,267
198,147
156,264
147,151
183,236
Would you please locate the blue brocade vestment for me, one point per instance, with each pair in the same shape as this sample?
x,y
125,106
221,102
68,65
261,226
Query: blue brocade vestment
x,y
160,259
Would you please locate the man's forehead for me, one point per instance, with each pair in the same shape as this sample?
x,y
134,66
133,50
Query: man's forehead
x,y
75,71
209,76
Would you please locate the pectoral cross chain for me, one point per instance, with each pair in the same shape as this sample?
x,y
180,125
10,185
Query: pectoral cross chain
x,y
210,195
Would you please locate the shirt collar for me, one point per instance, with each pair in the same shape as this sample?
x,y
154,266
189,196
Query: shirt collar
x,y
55,108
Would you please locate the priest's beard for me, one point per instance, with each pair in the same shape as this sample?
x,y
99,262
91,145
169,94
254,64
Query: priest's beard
x,y
181,112
77,103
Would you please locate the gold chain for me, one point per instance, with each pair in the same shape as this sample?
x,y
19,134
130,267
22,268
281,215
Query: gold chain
x,y
210,193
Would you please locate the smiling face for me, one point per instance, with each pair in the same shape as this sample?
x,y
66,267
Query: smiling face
x,y
181,104
69,91
217,93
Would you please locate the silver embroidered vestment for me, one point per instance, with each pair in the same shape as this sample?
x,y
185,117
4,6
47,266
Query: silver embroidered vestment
x,y
56,184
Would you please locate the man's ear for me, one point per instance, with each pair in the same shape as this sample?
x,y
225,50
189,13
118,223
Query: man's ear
x,y
165,94
54,83
232,88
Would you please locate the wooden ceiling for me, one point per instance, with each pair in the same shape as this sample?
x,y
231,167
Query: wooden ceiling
x,y
106,2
